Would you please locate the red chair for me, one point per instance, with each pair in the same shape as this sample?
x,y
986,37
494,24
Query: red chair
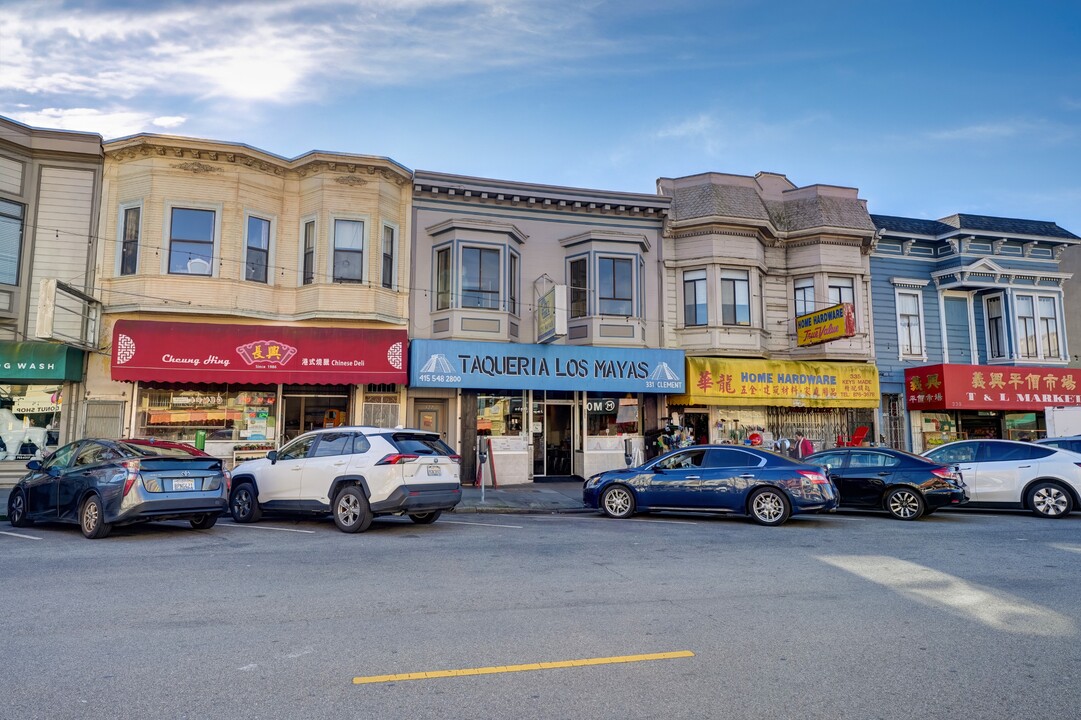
x,y
857,437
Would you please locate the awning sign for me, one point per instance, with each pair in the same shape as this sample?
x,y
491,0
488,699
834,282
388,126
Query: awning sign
x,y
779,383
991,387
822,326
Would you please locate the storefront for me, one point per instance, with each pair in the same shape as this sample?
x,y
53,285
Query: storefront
x,y
753,402
35,379
949,402
543,411
243,389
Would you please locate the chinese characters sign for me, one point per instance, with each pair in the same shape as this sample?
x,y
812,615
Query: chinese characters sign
x,y
821,326
203,353
724,381
990,387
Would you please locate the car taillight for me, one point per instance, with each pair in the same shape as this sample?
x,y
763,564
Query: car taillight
x,y
946,473
458,458
816,478
132,466
397,459
228,481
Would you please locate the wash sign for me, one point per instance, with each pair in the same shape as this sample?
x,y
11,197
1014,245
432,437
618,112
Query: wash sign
x,y
821,326
522,366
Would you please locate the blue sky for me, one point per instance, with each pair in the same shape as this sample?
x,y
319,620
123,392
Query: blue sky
x,y
929,108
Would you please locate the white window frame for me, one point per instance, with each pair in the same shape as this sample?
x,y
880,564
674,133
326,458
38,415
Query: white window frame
x,y
635,260
918,293
448,248
1004,344
314,220
167,228
396,247
797,286
514,283
272,232
571,287
746,277
701,279
121,213
459,273
365,247
851,286
1037,319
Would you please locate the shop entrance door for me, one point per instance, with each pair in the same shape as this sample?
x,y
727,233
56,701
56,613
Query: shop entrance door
x,y
553,446
431,415
303,411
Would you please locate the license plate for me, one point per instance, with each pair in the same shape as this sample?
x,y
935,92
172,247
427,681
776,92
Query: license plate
x,y
180,484
434,470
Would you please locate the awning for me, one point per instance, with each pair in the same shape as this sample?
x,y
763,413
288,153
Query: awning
x,y
991,387
39,362
178,352
779,383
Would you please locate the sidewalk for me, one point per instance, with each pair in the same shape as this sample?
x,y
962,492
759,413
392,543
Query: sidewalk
x,y
539,498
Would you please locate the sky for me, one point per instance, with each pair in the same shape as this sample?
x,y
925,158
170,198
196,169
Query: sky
x,y
928,108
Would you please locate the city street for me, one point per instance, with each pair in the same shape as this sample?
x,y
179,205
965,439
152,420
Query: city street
x,y
852,615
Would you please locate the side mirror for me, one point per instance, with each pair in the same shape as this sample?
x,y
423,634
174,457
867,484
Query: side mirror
x,y
33,465
272,456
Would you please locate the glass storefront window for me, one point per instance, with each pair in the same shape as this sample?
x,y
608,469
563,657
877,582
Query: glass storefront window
x,y
225,412
29,419
500,413
613,415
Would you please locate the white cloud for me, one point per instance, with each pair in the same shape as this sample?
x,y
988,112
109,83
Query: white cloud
x,y
107,123
168,121
979,132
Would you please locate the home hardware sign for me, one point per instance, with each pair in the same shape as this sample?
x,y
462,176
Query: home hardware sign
x,y
445,363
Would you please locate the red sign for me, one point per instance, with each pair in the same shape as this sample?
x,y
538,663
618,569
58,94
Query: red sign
x,y
991,387
178,352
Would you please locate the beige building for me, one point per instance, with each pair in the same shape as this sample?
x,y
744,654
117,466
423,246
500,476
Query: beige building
x,y
248,297
536,324
744,257
50,182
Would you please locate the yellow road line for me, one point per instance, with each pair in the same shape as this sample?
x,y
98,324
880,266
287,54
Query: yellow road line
x,y
495,669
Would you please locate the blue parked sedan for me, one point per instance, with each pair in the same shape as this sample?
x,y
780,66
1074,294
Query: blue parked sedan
x,y
717,479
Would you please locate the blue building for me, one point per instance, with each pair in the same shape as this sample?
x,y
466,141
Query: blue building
x,y
969,327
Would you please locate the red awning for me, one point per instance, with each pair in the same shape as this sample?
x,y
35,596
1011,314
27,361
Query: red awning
x,y
991,387
178,352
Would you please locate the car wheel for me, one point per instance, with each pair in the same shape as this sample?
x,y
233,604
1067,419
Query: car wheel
x,y
244,505
17,509
1050,500
203,522
426,518
351,511
92,519
769,506
904,503
618,502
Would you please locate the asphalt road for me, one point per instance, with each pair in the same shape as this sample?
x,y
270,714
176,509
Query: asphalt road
x,y
963,614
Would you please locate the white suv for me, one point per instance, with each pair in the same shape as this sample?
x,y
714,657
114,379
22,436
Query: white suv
x,y
1005,473
352,473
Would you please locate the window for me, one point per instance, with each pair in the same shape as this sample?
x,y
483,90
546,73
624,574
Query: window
x,y
309,253
872,460
805,295
683,460
348,251
909,323
11,241
388,256
191,242
1011,452
297,449
840,291
129,241
1048,328
694,298
732,458
380,409
735,298
480,278
334,443
995,346
512,285
579,290
1026,327
954,453
616,286
258,249
442,279
830,461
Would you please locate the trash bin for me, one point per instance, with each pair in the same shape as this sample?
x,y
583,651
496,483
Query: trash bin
x,y
200,439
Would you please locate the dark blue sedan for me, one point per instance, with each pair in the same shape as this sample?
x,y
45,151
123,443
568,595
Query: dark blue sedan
x,y
717,479
102,483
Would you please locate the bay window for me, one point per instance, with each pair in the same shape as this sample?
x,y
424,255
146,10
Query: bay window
x,y
480,278
804,289
735,298
191,241
841,291
579,288
910,323
1037,323
258,249
348,251
996,346
615,286
695,310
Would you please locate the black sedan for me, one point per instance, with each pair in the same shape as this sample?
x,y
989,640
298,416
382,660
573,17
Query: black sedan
x,y
907,486
717,479
102,483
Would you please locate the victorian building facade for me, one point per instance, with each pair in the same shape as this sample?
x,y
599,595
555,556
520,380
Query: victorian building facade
x,y
248,297
743,258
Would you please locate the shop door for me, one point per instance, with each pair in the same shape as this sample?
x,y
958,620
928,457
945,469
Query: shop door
x,y
553,446
431,416
303,413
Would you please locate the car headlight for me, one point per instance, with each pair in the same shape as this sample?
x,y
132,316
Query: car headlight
x,y
594,481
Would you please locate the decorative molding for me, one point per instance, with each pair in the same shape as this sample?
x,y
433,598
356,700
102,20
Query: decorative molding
x,y
350,180
196,167
909,282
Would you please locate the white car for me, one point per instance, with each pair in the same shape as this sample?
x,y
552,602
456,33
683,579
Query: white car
x,y
353,474
1004,473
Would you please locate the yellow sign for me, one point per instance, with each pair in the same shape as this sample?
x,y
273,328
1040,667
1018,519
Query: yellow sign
x,y
781,383
821,326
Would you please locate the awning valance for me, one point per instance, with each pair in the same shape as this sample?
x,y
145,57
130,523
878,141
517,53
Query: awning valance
x,y
37,362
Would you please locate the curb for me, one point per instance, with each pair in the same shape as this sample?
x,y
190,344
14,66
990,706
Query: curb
x,y
472,510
